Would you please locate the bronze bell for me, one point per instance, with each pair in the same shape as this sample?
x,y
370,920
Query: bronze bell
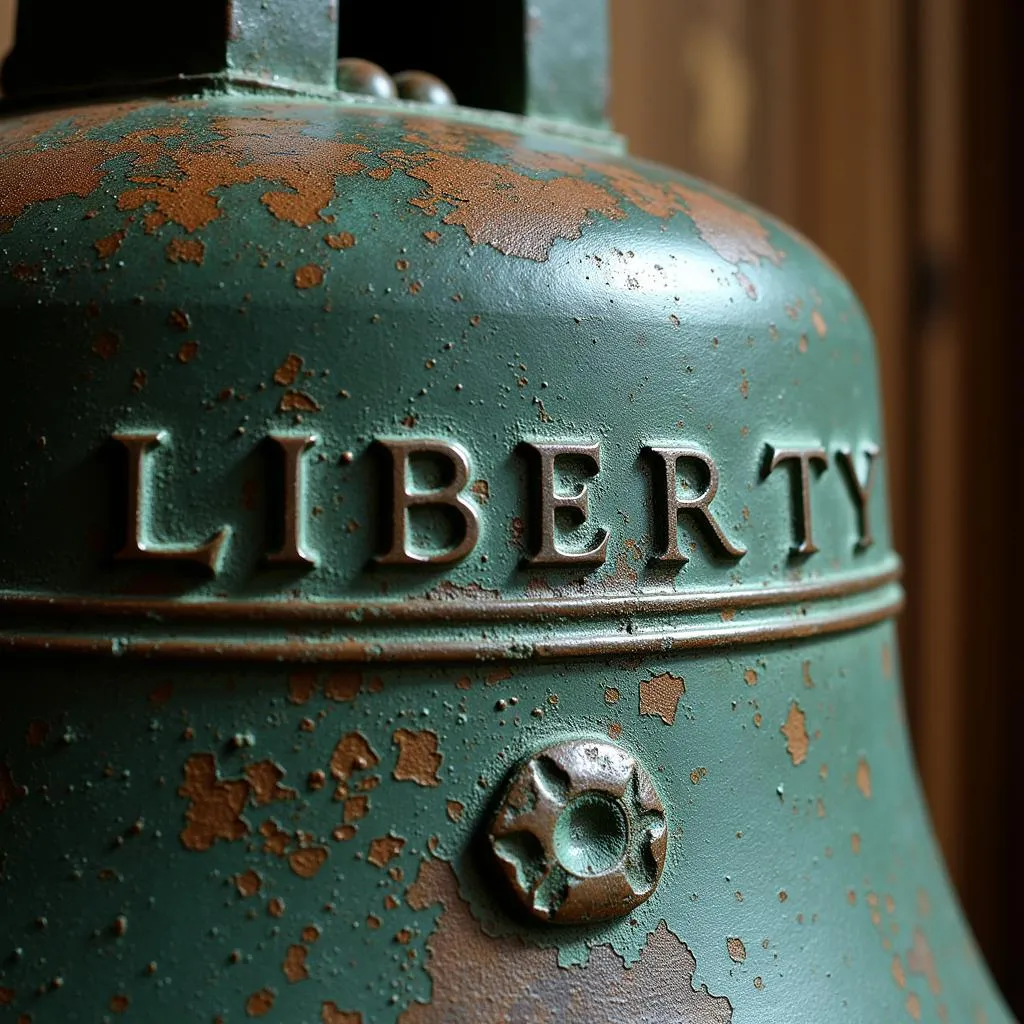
x,y
446,572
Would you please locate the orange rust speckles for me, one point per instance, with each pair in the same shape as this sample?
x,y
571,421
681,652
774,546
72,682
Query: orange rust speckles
x,y
384,850
309,276
331,1014
455,810
697,774
736,950
260,1003
352,754
139,378
275,908
342,240
356,808
750,677
611,696
286,373
310,934
119,1003
795,731
188,351
921,961
737,236
106,247
513,213
308,861
819,324
343,685
898,974
275,839
178,320
418,757
510,976
216,805
106,345
864,778
914,1006
298,401
481,490
659,696
248,883
301,686
432,236
855,842
294,966
805,669
265,779
186,250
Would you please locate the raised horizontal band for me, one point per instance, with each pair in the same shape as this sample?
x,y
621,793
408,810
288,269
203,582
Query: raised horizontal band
x,y
448,629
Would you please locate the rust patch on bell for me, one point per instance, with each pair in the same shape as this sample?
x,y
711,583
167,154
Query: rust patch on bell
x,y
921,961
301,686
736,950
864,778
795,731
106,247
248,883
294,967
298,401
265,779
659,696
331,1014
819,323
455,809
356,808
275,908
353,753
186,250
309,276
308,861
260,1003
343,685
418,757
119,1003
188,351
10,791
750,677
513,979
342,240
215,811
106,345
384,849
286,373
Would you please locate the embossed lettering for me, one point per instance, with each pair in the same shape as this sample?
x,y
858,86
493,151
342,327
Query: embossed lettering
x,y
548,501
802,458
450,497
698,506
137,547
293,545
861,492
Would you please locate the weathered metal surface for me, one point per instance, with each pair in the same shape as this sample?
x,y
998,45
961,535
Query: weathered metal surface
x,y
354,455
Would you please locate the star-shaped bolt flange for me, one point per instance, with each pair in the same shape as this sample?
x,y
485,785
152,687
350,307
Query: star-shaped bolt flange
x,y
580,833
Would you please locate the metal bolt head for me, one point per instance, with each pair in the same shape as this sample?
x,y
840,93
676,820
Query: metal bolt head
x,y
580,833
366,78
424,88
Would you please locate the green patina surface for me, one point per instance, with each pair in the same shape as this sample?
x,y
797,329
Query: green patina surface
x,y
190,840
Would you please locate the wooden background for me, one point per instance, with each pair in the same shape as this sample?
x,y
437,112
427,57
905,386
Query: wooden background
x,y
881,130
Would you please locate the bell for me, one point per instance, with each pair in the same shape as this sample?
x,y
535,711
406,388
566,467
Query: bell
x,y
446,568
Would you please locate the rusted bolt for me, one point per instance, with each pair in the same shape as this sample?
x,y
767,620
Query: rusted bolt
x,y
365,78
424,88
580,833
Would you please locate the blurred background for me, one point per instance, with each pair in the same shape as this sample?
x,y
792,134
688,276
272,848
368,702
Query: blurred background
x,y
881,130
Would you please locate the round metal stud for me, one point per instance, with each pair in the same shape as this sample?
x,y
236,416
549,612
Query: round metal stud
x,y
365,78
424,88
580,833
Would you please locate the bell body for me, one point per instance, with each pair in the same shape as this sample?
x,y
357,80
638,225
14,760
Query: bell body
x,y
355,454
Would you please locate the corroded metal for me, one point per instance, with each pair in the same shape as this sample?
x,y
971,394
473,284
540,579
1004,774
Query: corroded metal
x,y
357,450
580,833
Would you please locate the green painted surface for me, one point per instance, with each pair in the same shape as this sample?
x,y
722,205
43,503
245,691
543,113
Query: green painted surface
x,y
158,267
